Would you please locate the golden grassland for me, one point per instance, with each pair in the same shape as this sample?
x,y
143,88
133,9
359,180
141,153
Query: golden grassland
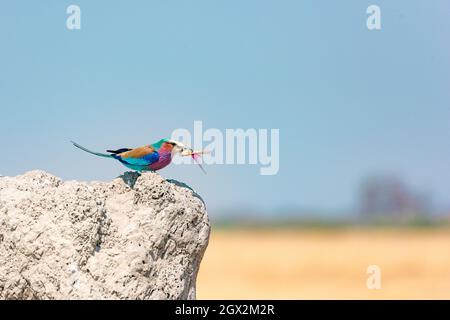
x,y
325,264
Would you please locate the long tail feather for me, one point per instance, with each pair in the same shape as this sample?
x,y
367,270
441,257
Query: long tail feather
x,y
92,152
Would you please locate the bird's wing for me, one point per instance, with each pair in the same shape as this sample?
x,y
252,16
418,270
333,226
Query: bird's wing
x,y
142,156
119,151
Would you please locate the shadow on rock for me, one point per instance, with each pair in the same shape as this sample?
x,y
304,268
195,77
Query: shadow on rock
x,y
184,185
130,178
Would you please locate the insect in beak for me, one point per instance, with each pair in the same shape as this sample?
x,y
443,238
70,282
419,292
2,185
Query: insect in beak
x,y
195,155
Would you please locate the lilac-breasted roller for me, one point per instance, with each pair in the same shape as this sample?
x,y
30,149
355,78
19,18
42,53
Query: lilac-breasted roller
x,y
150,157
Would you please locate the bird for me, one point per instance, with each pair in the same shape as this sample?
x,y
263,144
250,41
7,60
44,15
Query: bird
x,y
150,157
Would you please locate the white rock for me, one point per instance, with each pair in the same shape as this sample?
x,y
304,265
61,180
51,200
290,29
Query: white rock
x,y
76,240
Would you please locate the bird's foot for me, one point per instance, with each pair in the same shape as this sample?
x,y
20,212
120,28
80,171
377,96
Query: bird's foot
x,y
130,178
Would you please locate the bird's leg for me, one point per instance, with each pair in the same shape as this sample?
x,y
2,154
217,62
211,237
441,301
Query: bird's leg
x,y
130,178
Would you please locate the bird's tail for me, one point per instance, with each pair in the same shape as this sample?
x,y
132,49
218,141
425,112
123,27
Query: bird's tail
x,y
92,152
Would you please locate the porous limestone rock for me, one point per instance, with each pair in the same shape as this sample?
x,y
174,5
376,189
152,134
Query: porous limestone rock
x,y
100,240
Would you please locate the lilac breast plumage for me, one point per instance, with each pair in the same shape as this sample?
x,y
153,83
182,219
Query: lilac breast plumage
x,y
164,159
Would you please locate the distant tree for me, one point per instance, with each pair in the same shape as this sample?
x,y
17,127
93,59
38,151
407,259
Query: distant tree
x,y
389,196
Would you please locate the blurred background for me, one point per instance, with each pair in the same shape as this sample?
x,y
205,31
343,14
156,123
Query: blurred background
x,y
363,115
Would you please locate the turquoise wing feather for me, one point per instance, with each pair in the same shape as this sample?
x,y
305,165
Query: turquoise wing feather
x,y
142,161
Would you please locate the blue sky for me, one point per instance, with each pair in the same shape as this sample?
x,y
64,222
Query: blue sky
x,y
349,102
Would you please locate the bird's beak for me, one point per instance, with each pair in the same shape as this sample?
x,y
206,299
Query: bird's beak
x,y
186,152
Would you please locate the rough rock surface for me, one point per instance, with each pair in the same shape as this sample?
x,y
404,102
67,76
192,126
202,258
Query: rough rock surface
x,y
98,240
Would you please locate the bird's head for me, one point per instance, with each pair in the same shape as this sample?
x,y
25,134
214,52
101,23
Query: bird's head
x,y
178,147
